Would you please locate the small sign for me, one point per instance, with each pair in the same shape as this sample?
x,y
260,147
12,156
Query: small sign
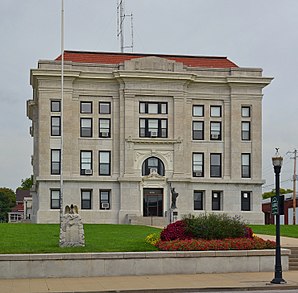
x,y
274,205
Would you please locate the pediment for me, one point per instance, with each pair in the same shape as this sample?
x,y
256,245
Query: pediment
x,y
153,63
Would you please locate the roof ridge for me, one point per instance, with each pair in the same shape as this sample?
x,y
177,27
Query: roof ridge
x,y
117,57
145,54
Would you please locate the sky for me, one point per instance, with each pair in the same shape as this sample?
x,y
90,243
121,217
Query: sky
x,y
256,33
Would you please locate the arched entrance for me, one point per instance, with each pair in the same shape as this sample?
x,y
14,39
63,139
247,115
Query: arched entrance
x,y
153,198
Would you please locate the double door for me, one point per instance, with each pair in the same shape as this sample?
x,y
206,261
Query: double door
x,y
153,202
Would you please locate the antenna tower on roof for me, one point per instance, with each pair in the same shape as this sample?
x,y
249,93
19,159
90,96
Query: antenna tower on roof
x,y
120,26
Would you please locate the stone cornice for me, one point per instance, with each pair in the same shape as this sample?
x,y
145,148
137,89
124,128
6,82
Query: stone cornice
x,y
255,81
126,75
151,140
75,74
130,178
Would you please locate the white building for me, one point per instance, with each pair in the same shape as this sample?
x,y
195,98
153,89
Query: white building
x,y
136,124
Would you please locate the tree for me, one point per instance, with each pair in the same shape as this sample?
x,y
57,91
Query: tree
x,y
26,183
272,192
7,201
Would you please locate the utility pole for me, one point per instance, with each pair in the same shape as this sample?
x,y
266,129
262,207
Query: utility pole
x,y
294,189
294,185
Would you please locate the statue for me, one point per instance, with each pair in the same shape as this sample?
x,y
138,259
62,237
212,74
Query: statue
x,y
71,229
72,209
174,197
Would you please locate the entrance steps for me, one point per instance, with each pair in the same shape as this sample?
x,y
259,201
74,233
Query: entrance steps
x,y
293,259
147,221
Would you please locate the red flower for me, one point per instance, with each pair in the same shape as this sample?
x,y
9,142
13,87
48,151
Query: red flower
x,y
224,244
174,231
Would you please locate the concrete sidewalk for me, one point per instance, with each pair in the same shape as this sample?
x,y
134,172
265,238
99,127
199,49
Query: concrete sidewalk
x,y
161,283
284,241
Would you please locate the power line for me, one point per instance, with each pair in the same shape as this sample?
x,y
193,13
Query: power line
x,y
286,162
265,186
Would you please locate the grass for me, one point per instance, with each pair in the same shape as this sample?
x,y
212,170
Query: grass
x,y
285,230
44,238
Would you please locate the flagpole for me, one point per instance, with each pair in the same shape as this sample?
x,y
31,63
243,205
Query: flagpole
x,y
62,92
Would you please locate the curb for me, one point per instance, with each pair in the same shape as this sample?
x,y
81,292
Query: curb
x,y
189,290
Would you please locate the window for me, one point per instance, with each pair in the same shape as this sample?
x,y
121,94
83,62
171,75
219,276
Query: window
x,y
86,163
104,127
153,127
55,198
55,126
55,106
104,199
216,200
245,165
104,108
245,200
86,127
198,200
198,130
153,108
153,164
86,108
215,111
245,130
55,161
198,165
215,165
215,130
86,196
245,111
198,110
104,163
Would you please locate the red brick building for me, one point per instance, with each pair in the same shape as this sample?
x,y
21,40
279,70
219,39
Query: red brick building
x,y
287,218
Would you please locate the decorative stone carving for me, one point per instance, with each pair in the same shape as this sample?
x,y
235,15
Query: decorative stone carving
x,y
153,176
153,63
71,230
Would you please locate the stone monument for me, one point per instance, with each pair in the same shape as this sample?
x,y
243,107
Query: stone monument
x,y
71,229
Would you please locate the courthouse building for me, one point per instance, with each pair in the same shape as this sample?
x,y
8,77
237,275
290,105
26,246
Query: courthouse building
x,y
136,125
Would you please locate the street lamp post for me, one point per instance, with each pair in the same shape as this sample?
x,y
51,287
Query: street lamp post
x,y
277,163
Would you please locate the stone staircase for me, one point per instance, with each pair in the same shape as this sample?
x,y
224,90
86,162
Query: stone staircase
x,y
148,221
293,259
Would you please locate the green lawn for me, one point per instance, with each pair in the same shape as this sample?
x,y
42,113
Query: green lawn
x,y
285,230
44,238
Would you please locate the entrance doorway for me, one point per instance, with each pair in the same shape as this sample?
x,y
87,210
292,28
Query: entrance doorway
x,y
153,202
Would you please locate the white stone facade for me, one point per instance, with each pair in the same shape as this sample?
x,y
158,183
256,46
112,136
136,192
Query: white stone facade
x,y
142,108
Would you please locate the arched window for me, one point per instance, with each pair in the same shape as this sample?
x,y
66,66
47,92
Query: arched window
x,y
153,164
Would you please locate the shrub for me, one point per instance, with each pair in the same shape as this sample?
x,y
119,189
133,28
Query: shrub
x,y
152,238
225,244
248,232
174,231
215,226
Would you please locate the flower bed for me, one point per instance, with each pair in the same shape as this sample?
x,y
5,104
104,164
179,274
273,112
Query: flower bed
x,y
208,232
224,244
